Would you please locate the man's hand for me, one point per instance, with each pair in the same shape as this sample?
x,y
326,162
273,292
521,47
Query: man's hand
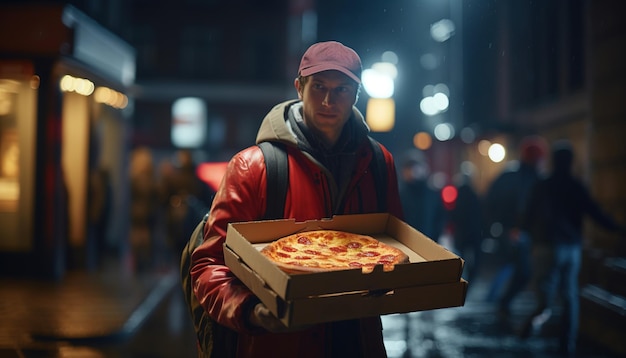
x,y
262,317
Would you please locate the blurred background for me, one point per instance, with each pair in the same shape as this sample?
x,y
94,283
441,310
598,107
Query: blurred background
x,y
117,117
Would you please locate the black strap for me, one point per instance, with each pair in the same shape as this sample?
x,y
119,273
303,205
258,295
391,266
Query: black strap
x,y
277,168
379,168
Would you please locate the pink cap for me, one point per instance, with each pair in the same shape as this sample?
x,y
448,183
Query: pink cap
x,y
331,55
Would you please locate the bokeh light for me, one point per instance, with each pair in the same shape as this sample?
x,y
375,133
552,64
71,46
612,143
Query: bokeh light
x,y
496,152
444,131
189,122
429,61
378,83
422,140
442,30
449,193
435,99
81,86
483,147
468,135
380,114
390,56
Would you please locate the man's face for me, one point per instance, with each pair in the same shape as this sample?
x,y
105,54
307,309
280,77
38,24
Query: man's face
x,y
327,99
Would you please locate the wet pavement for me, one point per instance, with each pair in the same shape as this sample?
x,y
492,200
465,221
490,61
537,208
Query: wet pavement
x,y
115,312
476,330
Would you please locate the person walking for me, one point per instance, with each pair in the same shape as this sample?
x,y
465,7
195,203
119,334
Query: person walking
x,y
466,223
185,198
329,156
421,201
504,204
554,220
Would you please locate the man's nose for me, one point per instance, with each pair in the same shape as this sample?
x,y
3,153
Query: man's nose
x,y
328,98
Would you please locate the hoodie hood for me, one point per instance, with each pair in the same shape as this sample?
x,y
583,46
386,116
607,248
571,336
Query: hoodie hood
x,y
274,127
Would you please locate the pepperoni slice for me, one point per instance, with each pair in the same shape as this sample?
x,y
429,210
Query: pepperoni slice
x,y
302,257
304,240
282,254
312,252
386,259
359,264
289,249
368,254
354,245
339,249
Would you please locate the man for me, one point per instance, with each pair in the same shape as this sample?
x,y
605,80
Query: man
x,y
329,158
185,198
554,218
421,201
466,222
504,204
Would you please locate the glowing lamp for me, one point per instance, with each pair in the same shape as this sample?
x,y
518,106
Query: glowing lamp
x,y
380,114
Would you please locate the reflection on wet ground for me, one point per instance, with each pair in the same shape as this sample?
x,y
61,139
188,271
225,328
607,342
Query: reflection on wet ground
x,y
165,330
476,330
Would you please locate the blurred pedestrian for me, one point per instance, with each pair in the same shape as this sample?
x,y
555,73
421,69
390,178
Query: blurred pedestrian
x,y
187,198
554,220
421,202
99,203
100,206
504,204
144,206
466,222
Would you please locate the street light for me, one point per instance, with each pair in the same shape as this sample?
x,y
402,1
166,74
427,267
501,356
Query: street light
x,y
378,82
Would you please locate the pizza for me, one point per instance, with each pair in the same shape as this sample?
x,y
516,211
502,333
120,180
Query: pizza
x,y
330,250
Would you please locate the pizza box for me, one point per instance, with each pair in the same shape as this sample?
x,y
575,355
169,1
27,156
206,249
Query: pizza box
x,y
348,305
431,280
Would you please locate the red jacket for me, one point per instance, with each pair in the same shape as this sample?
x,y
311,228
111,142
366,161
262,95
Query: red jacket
x,y
242,197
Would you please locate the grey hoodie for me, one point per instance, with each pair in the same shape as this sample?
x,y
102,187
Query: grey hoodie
x,y
284,124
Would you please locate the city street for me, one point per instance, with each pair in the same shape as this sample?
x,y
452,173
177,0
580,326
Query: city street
x,y
102,314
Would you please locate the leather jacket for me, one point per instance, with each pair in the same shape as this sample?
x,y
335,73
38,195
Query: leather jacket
x,y
312,194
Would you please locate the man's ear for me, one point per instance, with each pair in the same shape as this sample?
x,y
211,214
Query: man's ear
x,y
297,85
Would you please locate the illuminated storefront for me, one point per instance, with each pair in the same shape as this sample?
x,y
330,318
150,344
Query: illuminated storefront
x,y
64,122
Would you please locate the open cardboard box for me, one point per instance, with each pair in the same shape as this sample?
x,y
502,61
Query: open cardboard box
x,y
431,280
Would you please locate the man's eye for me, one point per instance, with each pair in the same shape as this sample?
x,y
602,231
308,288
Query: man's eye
x,y
344,90
318,86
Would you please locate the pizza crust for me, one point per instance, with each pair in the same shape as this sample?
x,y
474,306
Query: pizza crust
x,y
331,250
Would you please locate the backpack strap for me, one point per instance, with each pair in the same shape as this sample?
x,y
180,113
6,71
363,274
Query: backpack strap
x,y
277,168
379,169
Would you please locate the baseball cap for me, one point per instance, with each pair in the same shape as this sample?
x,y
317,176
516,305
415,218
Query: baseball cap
x,y
331,55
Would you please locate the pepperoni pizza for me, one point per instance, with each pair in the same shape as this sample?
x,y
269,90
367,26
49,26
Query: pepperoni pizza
x,y
330,250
